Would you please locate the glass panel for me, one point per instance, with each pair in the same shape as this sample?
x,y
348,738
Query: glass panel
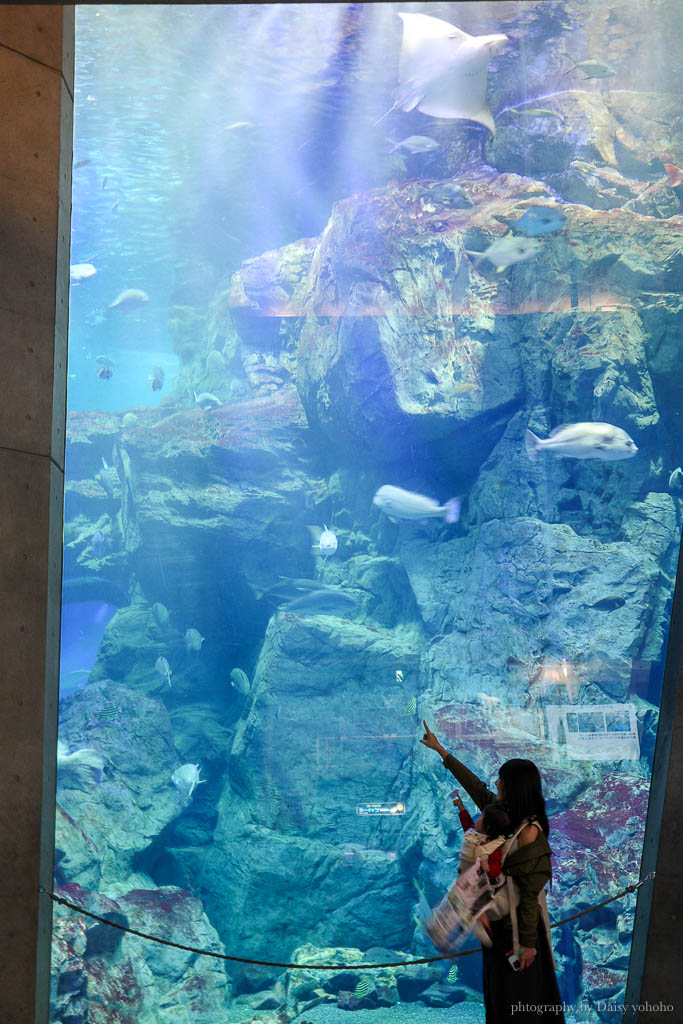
x,y
373,420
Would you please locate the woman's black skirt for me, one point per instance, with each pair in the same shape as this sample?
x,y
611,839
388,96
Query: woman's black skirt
x,y
508,992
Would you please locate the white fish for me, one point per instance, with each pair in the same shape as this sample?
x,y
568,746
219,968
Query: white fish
x,y
160,613
676,481
325,541
130,298
164,669
415,144
81,272
442,70
584,441
186,779
193,640
207,401
80,770
240,680
400,504
503,252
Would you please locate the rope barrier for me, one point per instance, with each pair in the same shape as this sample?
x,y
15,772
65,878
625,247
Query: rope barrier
x,y
318,967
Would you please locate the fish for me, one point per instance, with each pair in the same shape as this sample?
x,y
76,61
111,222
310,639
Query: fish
x,y
289,589
540,220
326,541
362,988
81,770
237,126
452,975
675,175
130,298
240,680
323,602
399,675
207,401
593,69
399,504
451,193
164,669
108,478
100,544
442,70
156,381
214,362
584,441
83,162
81,272
505,251
160,613
193,640
108,713
676,480
415,144
186,779
105,373
129,421
411,706
541,112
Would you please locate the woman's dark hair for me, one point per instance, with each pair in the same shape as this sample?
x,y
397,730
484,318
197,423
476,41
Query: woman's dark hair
x,y
495,820
523,792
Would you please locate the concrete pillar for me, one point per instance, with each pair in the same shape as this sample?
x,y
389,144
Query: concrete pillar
x,y
36,86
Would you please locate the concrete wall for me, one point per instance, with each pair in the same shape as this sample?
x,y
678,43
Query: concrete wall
x,y
36,76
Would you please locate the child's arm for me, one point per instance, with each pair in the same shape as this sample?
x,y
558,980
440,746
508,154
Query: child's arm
x,y
494,866
465,819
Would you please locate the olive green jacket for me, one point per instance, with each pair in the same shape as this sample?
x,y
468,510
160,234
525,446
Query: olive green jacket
x,y
529,866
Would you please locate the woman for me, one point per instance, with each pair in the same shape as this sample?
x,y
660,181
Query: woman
x,y
530,993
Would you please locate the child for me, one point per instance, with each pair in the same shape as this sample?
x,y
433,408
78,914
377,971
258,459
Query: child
x,y
483,839
463,907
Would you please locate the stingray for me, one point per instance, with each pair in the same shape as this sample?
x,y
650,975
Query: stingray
x,y
442,70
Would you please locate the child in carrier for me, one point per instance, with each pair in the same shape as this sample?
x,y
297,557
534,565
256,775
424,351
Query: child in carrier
x,y
479,875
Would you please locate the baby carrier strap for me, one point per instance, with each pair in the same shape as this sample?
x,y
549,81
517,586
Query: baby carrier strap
x,y
510,886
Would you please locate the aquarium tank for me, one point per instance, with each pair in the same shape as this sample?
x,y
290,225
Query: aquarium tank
x,y
374,422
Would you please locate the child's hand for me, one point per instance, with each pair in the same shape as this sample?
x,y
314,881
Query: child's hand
x,y
457,800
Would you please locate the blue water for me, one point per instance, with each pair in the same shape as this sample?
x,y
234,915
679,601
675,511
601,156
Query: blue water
x,y
324,319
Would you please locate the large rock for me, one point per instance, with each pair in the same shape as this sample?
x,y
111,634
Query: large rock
x,y
287,825
121,816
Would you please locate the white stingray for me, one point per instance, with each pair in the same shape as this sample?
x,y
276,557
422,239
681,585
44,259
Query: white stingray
x,y
442,70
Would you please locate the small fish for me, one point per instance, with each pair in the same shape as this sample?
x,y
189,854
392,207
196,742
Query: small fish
x,y
105,372
362,988
541,112
100,544
207,401
130,298
675,175
411,706
186,779
156,381
503,252
399,504
193,640
326,541
237,126
129,421
240,680
399,675
108,712
540,220
160,613
415,144
451,193
584,441
676,481
164,669
214,362
83,162
81,272
593,69
452,975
